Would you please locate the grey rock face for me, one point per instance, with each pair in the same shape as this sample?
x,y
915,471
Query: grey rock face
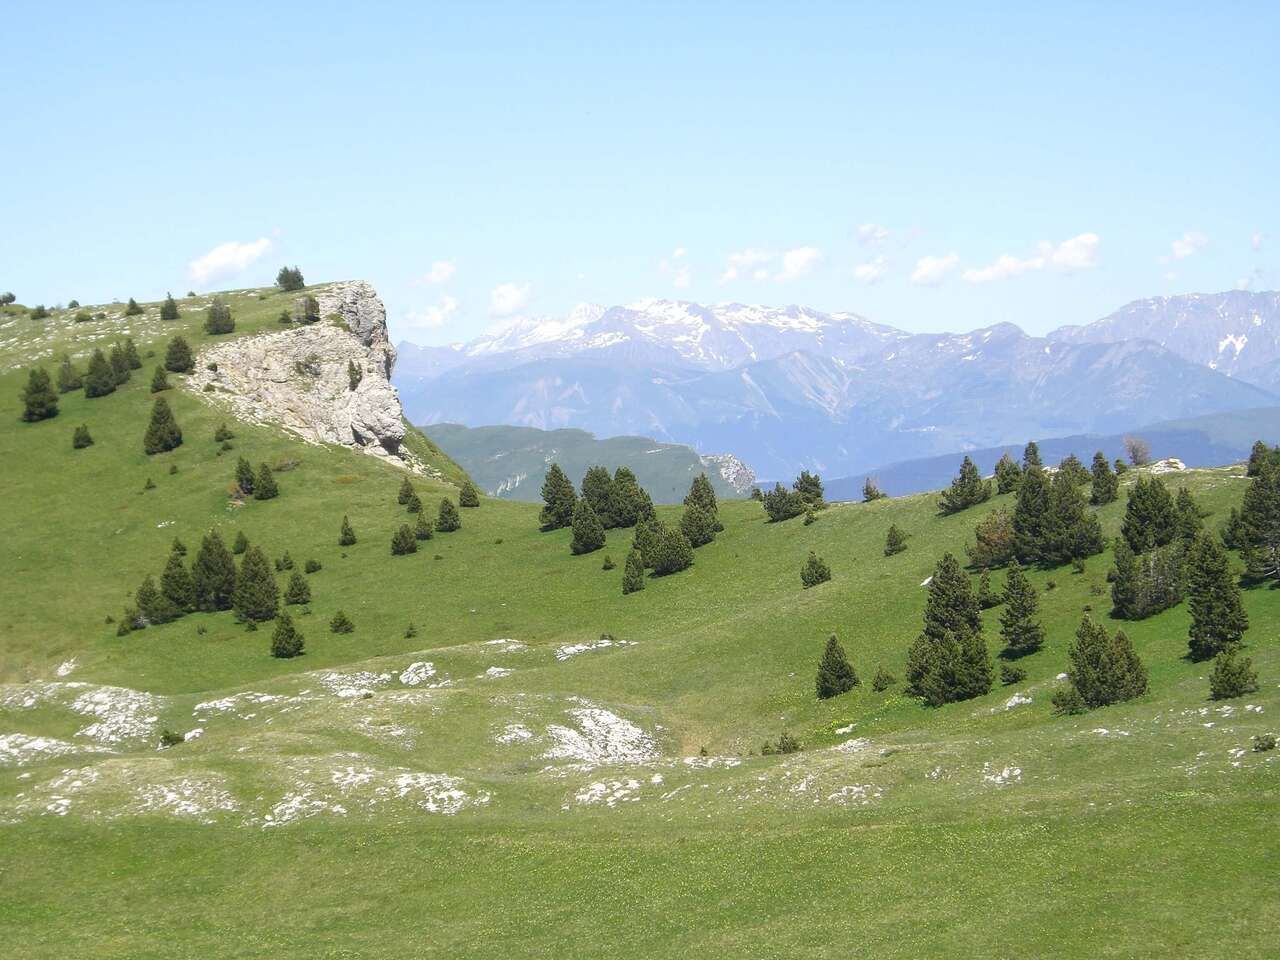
x,y
327,382
732,470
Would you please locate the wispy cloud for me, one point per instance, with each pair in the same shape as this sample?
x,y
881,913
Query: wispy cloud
x,y
675,266
508,298
1185,246
872,271
431,317
1257,240
747,259
760,264
798,262
872,235
1078,253
930,271
441,272
226,260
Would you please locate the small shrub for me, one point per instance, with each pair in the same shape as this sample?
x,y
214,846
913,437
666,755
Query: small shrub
x,y
1067,700
285,562
169,738
883,680
312,566
1232,676
39,312
608,563
289,279
410,631
1264,742
222,434
341,623
149,485
81,439
173,468
814,571
786,744
1010,674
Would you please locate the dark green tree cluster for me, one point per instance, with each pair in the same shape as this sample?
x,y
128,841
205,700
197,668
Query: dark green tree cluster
x,y
169,309
209,585
69,377
1008,473
1218,619
672,552
1259,455
286,641
814,571
403,542
1143,584
119,360
588,531
341,623
559,500
290,279
871,491
447,518
244,476
1255,529
1104,669
39,402
968,489
423,529
469,495
783,504
698,525
618,501
213,575
257,597
264,484
835,673
132,309
218,320
1105,483
1052,524
949,661
298,591
1232,676
1019,627
81,438
703,495
100,379
346,536
1074,469
177,356
163,433
159,380
633,572
993,544
895,541
809,486
1150,515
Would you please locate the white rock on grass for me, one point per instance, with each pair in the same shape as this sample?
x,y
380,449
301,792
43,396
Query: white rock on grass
x,y
600,738
494,673
568,650
514,733
65,667
349,686
120,714
417,673
17,749
193,798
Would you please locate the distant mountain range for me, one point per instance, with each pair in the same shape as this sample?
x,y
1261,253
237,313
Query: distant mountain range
x,y
512,462
791,388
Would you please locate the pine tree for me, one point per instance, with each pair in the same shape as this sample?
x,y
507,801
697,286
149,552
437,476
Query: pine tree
x,y
588,531
120,369
218,320
597,490
163,433
284,563
633,573
835,674
213,575
783,504
993,544
1106,485
987,598
132,310
1019,629
240,544
422,528
1073,468
1150,516
68,376
1031,515
1261,454
949,668
169,309
1258,526
177,356
448,519
468,496
406,492
347,536
286,641
404,542
559,499
341,623
290,279
1189,520
628,503
244,476
153,606
1008,473
703,494
100,380
1071,532
645,541
81,439
159,380
39,402
256,595
809,486
608,563
414,503
177,585
178,547
967,489
672,552
131,357
814,571
1104,669
1232,676
264,484
895,541
1218,619
698,525
950,605
1031,457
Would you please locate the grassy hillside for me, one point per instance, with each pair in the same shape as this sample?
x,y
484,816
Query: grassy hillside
x,y
446,794
512,462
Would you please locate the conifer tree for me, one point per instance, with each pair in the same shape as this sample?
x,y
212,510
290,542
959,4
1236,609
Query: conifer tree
x,y
414,503
1104,669
895,541
987,598
448,519
1071,532
559,499
177,585
1031,457
341,623
99,380
264,484
178,547
628,503
177,356
244,476
645,542
1258,527
81,439
597,490
406,492
703,494
1106,485
993,544
814,571
1008,473
949,668
809,486
39,402
132,310
346,536
1019,629
163,433
468,496
1189,520
403,542
298,591
422,528
588,531
68,376
672,552
633,572
967,489
1232,676
159,380
131,357
871,491
213,575
782,504
950,604
290,279
119,364
256,595
218,320
169,309
1150,516
1261,454
240,544
835,674
698,525
1073,468
1031,515
286,641
153,606
1218,619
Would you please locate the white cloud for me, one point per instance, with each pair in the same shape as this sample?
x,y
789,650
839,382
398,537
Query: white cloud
x,y
678,253
226,260
744,259
507,298
1005,266
1186,245
930,271
872,234
872,271
681,273
1257,239
1078,253
441,271
432,317
798,262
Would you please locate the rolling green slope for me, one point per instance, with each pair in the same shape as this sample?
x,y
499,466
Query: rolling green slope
x,y
497,783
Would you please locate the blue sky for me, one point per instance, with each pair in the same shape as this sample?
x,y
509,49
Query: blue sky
x,y
930,166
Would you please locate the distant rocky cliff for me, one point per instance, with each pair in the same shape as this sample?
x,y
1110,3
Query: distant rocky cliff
x,y
327,381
